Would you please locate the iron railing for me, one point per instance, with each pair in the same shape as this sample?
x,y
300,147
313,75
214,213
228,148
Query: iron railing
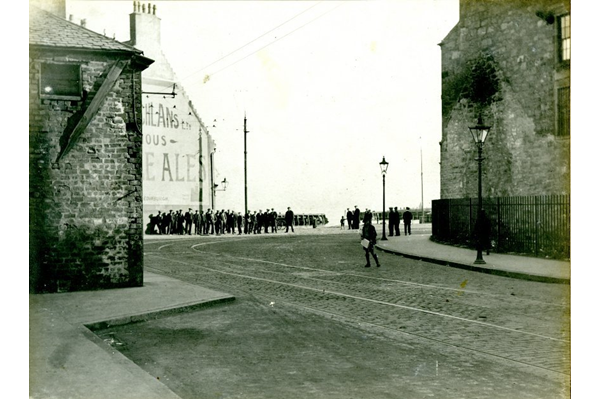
x,y
532,225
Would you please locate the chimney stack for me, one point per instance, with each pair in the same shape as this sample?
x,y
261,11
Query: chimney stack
x,y
144,26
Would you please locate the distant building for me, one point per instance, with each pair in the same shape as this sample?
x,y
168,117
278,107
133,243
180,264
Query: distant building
x,y
85,151
507,61
178,150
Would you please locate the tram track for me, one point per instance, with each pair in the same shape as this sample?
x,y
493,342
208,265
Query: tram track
x,y
397,291
348,283
460,291
329,292
362,276
305,292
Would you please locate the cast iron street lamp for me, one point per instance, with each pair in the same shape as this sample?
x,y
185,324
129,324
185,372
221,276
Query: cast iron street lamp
x,y
479,133
223,184
384,166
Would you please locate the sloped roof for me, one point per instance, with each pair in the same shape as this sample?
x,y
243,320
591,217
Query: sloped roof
x,y
49,30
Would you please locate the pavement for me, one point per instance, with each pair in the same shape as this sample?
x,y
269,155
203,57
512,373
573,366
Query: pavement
x,y
421,247
67,360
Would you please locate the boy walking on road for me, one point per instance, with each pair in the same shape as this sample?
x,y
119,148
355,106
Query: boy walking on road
x,y
369,233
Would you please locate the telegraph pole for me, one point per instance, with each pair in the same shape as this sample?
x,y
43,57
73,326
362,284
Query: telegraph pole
x,y
245,169
422,203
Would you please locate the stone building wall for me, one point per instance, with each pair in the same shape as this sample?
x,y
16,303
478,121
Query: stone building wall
x,y
501,62
86,209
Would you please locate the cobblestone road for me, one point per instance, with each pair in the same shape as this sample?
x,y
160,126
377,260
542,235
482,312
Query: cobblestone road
x,y
511,337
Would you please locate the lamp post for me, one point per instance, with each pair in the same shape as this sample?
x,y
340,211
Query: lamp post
x,y
245,170
384,166
479,133
212,178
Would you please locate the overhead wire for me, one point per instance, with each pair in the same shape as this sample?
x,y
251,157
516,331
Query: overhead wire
x,y
252,41
276,40
268,44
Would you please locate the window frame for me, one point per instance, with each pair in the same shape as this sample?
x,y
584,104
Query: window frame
x,y
563,125
562,75
70,96
562,39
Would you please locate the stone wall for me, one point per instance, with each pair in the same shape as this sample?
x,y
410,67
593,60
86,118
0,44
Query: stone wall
x,y
85,223
500,61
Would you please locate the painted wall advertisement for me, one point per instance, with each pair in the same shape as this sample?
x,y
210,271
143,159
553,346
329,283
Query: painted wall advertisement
x,y
171,147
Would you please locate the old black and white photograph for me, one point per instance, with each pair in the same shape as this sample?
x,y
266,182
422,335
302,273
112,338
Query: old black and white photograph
x,y
305,199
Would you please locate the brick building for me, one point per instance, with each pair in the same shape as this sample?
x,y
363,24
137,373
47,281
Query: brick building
x,y
178,149
85,141
508,61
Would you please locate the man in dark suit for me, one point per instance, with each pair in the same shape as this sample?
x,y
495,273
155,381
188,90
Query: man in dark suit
x,y
218,222
259,222
397,221
150,227
289,220
391,222
349,218
407,217
188,222
368,216
230,221
180,221
273,221
247,228
239,220
166,223
252,226
174,223
209,222
196,222
356,218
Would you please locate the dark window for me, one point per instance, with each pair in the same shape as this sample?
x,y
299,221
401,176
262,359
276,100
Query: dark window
x,y
63,80
564,111
564,37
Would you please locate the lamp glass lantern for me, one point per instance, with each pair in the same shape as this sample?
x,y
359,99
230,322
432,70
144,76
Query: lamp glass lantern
x,y
224,184
384,166
479,131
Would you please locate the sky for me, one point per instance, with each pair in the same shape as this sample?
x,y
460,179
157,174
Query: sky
x,y
328,88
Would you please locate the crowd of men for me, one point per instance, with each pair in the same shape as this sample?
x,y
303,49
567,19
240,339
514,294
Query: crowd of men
x,y
353,218
394,224
215,222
